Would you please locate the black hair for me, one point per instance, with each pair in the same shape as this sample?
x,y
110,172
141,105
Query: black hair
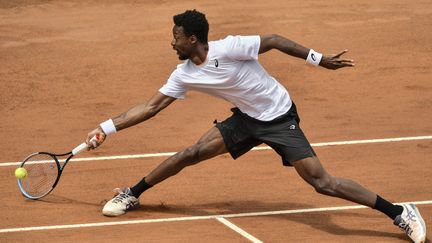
x,y
193,23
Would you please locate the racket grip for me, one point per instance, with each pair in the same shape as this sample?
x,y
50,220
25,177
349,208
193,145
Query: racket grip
x,y
83,146
79,149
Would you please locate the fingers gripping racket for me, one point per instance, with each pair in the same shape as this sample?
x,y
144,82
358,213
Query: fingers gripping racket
x,y
44,170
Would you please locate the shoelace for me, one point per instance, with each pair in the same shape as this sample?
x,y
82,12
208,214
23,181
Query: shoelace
x,y
405,227
120,197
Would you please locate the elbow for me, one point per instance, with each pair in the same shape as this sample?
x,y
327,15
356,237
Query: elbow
x,y
270,42
275,37
274,41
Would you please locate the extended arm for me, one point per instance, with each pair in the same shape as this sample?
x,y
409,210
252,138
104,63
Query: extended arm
x,y
269,42
133,116
143,111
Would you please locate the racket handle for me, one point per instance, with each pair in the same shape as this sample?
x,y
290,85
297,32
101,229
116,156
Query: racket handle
x,y
83,146
79,149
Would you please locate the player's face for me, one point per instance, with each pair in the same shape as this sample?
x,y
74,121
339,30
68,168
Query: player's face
x,y
181,43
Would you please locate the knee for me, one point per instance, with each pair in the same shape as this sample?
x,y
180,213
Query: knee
x,y
191,155
327,185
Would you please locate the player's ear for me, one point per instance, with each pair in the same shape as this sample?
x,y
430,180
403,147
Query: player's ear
x,y
193,39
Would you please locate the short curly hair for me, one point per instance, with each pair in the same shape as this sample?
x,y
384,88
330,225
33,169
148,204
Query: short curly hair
x,y
193,23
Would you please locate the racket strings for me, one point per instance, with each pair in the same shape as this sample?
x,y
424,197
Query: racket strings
x,y
42,173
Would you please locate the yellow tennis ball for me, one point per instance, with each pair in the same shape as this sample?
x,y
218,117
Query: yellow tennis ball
x,y
20,173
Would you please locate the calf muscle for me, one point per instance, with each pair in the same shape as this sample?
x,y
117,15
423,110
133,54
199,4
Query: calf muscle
x,y
210,145
311,170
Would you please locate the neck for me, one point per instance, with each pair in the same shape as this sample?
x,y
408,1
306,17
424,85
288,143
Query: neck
x,y
200,55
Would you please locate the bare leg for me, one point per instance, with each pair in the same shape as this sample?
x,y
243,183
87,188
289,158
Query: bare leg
x,y
209,145
311,170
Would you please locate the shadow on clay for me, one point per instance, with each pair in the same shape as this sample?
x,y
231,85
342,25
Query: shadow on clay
x,y
322,221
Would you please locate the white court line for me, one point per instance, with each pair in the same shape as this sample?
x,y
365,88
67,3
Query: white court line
x,y
238,215
337,143
238,230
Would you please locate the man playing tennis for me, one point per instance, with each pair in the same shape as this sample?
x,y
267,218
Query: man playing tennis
x,y
263,113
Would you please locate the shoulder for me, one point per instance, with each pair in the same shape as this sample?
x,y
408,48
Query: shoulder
x,y
222,47
222,42
236,39
178,71
182,67
239,47
232,42
183,70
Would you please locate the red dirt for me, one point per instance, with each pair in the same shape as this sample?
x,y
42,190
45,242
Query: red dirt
x,y
66,66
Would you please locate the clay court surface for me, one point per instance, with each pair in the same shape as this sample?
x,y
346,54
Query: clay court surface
x,y
66,66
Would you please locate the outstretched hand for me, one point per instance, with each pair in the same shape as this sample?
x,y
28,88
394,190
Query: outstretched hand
x,y
100,135
335,61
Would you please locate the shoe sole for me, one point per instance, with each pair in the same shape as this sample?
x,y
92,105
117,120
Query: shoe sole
x,y
112,214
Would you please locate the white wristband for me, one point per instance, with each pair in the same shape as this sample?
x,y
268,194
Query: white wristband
x,y
108,127
314,57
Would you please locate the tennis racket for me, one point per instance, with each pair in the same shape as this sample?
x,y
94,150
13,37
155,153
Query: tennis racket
x,y
44,170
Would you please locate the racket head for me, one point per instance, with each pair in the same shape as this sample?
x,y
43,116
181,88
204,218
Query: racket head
x,y
43,172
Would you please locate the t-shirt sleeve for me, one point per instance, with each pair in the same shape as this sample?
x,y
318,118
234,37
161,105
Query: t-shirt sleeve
x,y
243,47
174,87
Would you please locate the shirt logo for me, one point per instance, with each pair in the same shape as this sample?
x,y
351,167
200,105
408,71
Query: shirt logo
x,y
216,62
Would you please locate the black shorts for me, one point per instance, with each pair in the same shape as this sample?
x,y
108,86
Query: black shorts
x,y
241,133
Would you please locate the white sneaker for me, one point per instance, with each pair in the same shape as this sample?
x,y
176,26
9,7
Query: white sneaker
x,y
121,203
412,223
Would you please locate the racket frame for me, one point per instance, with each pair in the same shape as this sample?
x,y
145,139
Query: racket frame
x,y
59,172
78,149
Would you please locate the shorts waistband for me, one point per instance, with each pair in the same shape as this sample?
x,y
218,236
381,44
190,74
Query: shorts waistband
x,y
290,113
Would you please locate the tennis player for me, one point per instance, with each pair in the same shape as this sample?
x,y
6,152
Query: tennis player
x,y
264,113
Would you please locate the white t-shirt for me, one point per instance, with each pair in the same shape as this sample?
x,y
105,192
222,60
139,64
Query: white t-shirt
x,y
232,72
